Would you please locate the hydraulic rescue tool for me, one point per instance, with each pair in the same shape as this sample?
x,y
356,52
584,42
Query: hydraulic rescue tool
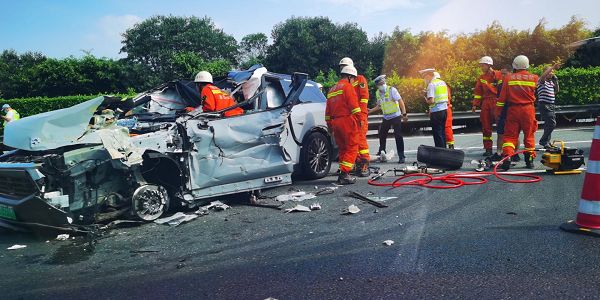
x,y
562,160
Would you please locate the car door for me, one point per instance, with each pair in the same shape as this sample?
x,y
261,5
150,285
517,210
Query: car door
x,y
242,152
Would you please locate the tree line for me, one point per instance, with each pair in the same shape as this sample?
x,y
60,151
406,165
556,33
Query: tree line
x,y
164,48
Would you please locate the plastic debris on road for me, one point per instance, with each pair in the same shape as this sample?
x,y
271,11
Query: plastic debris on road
x,y
62,237
315,206
352,209
176,219
388,242
298,208
216,205
16,247
381,198
296,196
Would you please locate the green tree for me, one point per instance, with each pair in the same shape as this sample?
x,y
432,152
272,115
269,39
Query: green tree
x,y
253,49
160,41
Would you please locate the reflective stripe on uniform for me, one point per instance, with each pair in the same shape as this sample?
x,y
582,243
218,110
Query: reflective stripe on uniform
x,y
522,83
333,94
356,110
363,151
508,145
499,81
483,81
327,118
364,100
346,164
216,92
477,97
487,138
589,207
529,149
500,104
355,83
593,167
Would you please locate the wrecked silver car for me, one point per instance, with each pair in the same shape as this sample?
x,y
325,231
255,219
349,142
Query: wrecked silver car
x,y
111,157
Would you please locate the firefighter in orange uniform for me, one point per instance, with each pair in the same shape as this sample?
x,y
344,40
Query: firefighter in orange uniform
x,y
518,92
485,96
213,98
342,114
361,87
448,129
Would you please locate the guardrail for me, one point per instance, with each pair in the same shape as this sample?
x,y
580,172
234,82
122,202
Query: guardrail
x,y
568,113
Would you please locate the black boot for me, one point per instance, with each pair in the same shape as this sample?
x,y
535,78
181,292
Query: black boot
x,y
488,152
528,160
515,158
345,178
505,165
450,146
362,168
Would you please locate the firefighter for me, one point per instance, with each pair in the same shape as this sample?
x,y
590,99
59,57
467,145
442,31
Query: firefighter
x,y
518,92
390,103
501,120
342,114
213,98
448,128
486,96
437,98
361,87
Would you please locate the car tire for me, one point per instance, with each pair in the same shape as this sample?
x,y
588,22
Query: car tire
x,y
315,156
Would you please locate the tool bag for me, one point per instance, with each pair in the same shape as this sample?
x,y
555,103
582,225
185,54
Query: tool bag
x,y
449,159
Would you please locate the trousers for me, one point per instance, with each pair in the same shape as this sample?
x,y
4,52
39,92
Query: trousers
x,y
438,126
363,146
549,118
487,118
519,118
384,128
345,132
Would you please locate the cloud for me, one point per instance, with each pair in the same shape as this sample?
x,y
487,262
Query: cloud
x,y
367,7
106,38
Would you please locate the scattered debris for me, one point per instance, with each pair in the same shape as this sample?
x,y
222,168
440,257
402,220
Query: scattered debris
x,y
271,298
365,199
352,209
382,198
296,196
216,205
180,265
62,237
16,247
511,213
315,206
326,190
298,208
388,242
176,219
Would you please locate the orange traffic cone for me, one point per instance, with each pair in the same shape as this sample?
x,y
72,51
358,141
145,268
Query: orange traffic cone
x,y
588,215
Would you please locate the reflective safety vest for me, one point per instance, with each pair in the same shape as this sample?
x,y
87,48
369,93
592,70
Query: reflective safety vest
x,y
441,92
15,117
388,105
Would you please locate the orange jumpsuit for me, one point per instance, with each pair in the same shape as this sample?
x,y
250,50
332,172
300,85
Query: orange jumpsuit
x,y
342,114
362,91
485,96
214,99
448,129
518,91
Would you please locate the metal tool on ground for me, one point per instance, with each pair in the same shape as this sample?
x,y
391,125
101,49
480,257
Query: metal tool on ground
x,y
562,160
365,199
588,214
417,168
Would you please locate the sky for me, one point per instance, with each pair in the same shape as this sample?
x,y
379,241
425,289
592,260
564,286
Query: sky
x,y
60,28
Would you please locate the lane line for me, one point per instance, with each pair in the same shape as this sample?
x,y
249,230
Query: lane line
x,y
479,134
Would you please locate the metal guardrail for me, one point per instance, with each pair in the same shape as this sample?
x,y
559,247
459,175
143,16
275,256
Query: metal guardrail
x,y
467,118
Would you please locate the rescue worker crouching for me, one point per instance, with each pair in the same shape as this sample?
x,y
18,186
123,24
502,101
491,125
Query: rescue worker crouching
x,y
390,103
213,98
342,114
518,92
361,87
437,98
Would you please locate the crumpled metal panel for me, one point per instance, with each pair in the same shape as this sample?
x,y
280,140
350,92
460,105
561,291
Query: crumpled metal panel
x,y
118,144
237,149
53,129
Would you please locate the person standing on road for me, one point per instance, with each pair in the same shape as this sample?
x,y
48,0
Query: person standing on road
x,y
361,87
342,114
448,131
519,93
212,97
9,114
546,95
485,96
437,98
390,103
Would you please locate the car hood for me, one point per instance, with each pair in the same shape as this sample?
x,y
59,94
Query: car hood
x,y
54,129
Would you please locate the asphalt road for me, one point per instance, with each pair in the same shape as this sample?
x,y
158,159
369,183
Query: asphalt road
x,y
496,240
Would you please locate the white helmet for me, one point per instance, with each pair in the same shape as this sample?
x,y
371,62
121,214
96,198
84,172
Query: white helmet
x,y
346,61
486,60
203,76
436,75
349,70
520,62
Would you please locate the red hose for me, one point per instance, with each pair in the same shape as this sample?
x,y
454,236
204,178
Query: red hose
x,y
456,180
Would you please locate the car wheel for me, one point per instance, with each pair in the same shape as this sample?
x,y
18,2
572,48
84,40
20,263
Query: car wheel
x,y
315,156
149,202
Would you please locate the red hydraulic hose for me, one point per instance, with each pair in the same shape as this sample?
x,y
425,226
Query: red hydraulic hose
x,y
456,180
